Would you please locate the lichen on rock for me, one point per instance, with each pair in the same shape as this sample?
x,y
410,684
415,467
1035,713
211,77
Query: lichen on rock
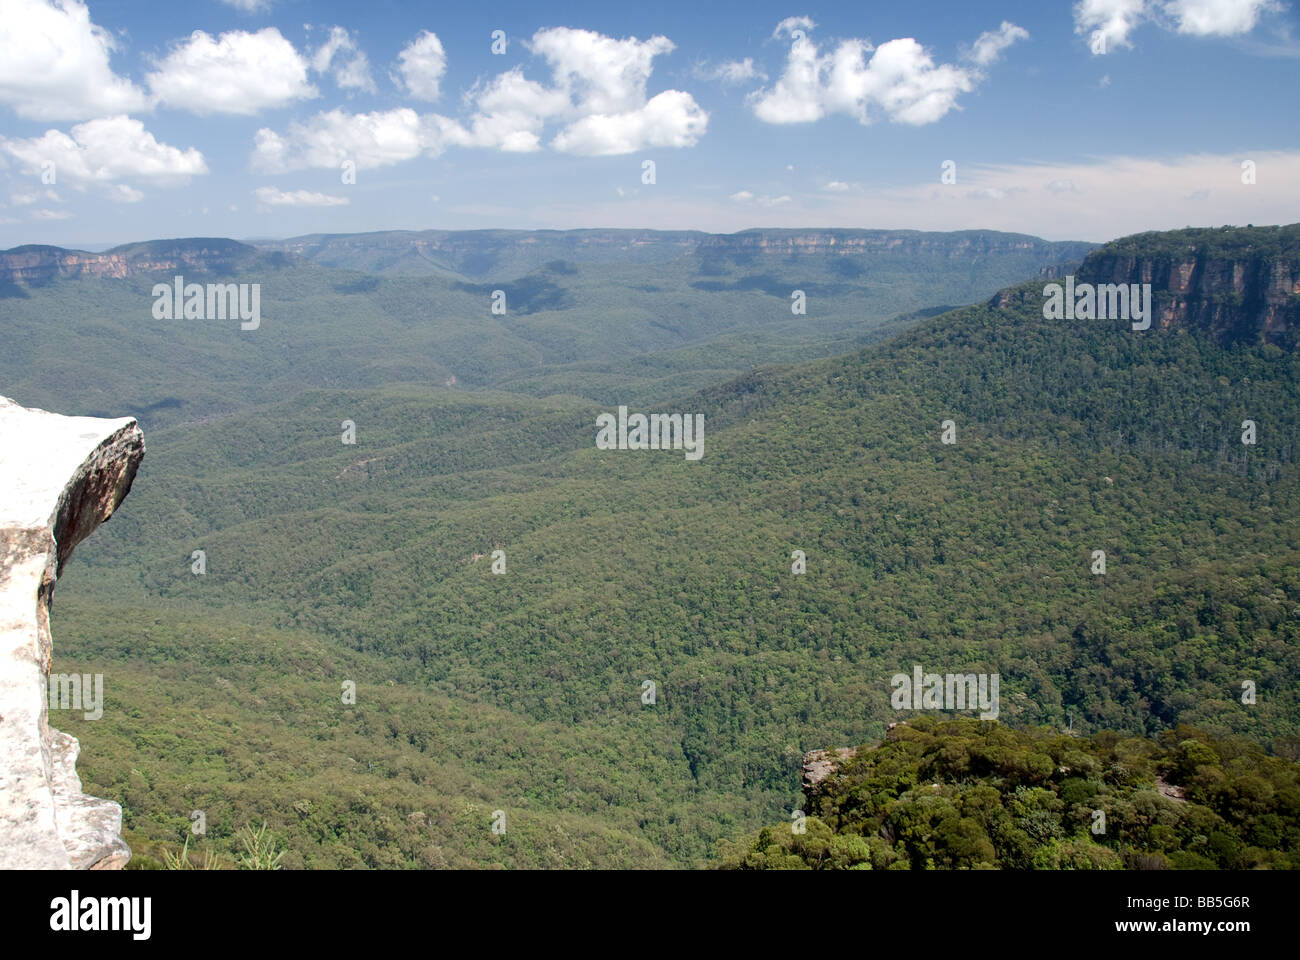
x,y
60,478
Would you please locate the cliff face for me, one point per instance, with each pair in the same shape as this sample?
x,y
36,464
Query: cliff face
x,y
40,264
60,478
1245,297
1234,284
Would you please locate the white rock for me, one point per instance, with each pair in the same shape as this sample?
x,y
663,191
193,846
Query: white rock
x,y
60,478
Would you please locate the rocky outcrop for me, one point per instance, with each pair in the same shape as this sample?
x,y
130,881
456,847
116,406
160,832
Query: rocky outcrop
x,y
60,478
820,764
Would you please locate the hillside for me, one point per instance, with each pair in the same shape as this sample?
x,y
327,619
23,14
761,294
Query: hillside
x,y
522,692
608,324
970,796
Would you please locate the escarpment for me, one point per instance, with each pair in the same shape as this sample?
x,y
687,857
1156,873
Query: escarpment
x,y
37,264
1235,285
1235,298
60,478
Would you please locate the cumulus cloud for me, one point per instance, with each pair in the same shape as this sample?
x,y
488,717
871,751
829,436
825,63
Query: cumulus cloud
x,y
106,150
44,214
900,79
597,90
351,68
836,186
1218,18
1108,21
54,63
420,67
369,140
603,82
238,72
596,96
1113,21
990,44
273,197
671,119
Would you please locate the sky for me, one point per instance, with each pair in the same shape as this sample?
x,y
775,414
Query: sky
x,y
125,121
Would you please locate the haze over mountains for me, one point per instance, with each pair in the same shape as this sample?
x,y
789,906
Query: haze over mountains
x,y
626,316
329,562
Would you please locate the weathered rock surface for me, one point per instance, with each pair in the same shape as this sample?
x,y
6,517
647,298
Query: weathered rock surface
x,y
820,764
60,478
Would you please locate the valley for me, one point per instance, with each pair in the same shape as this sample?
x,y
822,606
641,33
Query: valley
x,y
332,563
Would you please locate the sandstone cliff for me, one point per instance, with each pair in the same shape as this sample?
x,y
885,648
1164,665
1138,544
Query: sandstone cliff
x,y
60,478
36,264
1234,284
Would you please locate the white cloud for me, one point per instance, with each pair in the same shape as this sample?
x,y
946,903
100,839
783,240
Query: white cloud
x,y
603,84
836,186
238,72
988,48
350,72
44,214
249,6
1115,20
420,67
369,140
511,113
597,94
122,193
54,63
789,25
104,151
1218,18
732,72
745,196
1110,20
900,79
671,119
273,197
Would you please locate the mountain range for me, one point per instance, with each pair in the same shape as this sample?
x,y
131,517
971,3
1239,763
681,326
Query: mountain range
x,y
948,475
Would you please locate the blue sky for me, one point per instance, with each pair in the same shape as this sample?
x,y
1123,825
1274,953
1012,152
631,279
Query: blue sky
x,y
754,114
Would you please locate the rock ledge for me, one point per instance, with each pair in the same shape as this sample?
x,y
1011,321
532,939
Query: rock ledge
x,y
60,478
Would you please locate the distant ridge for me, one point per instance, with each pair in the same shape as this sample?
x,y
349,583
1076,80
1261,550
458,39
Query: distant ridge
x,y
480,253
37,263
